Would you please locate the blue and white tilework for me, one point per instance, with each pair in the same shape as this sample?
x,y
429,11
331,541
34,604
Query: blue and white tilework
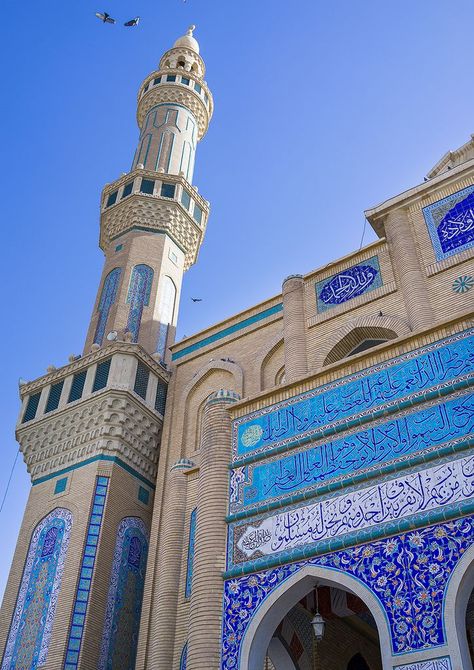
x,y
190,561
463,284
85,576
124,602
30,630
356,398
445,485
437,425
138,297
348,284
450,223
442,663
107,299
407,573
184,658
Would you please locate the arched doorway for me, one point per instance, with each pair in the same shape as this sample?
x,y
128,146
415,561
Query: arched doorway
x,y
280,636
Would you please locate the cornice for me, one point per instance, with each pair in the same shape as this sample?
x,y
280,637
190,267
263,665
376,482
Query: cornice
x,y
95,357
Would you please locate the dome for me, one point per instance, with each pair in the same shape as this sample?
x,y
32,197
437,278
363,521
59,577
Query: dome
x,y
188,41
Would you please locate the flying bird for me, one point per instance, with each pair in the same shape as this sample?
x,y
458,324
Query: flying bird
x,y
196,299
132,22
105,18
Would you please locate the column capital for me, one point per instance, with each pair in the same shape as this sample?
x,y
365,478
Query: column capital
x,y
223,395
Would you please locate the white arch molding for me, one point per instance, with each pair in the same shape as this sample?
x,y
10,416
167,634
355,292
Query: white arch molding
x,y
460,586
272,610
279,656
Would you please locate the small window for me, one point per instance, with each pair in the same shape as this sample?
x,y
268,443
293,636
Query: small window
x,y
31,407
127,189
141,380
185,199
146,87
54,396
60,486
156,81
167,190
147,186
112,199
181,63
101,375
119,247
197,87
197,214
160,398
172,256
143,495
206,98
170,77
77,386
185,81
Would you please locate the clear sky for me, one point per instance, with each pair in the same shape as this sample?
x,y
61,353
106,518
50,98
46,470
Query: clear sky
x,y
323,108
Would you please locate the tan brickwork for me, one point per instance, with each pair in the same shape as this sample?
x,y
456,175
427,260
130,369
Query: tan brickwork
x,y
296,363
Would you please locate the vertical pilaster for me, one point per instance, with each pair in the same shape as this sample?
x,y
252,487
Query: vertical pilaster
x,y
408,270
296,362
165,598
209,555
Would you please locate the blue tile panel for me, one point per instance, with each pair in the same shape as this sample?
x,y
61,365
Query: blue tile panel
x,y
81,600
358,451
138,297
442,491
93,459
60,485
190,561
124,602
30,631
143,495
184,657
356,397
348,284
31,407
408,574
228,331
450,223
107,299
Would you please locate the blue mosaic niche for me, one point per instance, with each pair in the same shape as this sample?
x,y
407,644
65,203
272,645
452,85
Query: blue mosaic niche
x,y
31,627
107,299
348,284
450,223
124,602
360,451
138,297
190,562
407,573
356,397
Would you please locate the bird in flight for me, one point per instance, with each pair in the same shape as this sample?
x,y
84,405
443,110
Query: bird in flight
x,y
104,17
196,299
132,22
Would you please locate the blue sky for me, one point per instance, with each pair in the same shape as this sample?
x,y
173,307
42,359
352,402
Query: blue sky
x,y
322,109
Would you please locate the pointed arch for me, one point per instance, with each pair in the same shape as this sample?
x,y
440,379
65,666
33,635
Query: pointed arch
x,y
166,308
107,299
33,617
138,297
343,341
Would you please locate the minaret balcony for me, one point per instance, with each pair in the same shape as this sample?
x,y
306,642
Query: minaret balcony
x,y
155,202
108,405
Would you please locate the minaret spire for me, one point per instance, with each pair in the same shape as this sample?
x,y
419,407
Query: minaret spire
x,y
153,219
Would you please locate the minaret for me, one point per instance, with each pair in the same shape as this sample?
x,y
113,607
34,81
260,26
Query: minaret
x,y
90,431
152,219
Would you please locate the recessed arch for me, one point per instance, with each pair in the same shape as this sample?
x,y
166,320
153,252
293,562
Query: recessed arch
x,y
266,618
344,340
457,594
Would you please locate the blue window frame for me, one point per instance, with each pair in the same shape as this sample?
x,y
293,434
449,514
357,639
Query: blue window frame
x,y
170,77
185,81
147,186
54,396
77,386
156,80
127,189
60,485
101,375
112,199
197,87
141,380
31,407
197,214
185,199
167,190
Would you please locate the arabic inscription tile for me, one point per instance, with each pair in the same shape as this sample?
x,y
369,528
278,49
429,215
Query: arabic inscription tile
x,y
450,223
348,284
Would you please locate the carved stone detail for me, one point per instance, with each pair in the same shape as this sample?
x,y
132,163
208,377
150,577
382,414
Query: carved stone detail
x,y
175,95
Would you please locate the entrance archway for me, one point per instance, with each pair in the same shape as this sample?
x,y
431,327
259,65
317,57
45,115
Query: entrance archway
x,y
459,612
292,593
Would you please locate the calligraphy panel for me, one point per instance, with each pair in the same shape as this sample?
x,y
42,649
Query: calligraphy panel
x,y
383,442
348,284
450,223
415,493
443,663
355,398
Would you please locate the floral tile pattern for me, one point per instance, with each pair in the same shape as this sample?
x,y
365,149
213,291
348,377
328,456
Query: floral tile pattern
x,y
408,574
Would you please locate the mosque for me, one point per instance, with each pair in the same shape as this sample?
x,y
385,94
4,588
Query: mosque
x,y
290,489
